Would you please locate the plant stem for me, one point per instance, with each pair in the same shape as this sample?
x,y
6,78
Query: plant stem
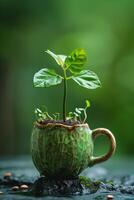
x,y
85,115
65,96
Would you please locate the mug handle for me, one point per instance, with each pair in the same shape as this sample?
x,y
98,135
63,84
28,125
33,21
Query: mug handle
x,y
103,131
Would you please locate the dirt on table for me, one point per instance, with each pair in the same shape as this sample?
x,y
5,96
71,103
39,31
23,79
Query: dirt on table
x,y
79,186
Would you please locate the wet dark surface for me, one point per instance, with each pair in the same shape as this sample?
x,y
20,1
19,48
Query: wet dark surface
x,y
115,177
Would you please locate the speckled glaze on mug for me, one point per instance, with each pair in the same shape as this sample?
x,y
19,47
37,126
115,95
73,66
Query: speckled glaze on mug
x,y
62,152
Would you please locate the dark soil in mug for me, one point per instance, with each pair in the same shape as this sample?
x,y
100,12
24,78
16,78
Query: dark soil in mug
x,y
67,122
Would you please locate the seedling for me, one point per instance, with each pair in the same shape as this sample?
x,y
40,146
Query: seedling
x,y
63,147
73,67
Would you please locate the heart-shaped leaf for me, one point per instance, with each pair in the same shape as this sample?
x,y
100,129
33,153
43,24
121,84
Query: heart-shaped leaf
x,y
60,59
75,62
87,79
46,78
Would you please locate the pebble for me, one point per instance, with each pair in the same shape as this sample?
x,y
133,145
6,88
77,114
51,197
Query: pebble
x,y
1,192
110,197
15,188
7,175
24,187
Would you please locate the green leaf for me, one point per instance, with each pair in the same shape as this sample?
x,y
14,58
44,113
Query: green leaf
x,y
76,114
78,110
81,109
75,62
37,110
60,59
46,78
87,103
87,79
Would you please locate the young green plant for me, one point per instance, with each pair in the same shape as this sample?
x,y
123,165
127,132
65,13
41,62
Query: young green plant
x,y
73,67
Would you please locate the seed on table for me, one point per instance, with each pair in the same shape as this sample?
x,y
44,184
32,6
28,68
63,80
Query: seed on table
x,y
110,197
15,188
24,187
7,175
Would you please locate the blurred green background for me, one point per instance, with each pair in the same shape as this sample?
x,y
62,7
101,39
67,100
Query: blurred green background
x,y
104,28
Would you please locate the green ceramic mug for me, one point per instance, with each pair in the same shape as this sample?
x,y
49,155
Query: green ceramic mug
x,y
62,152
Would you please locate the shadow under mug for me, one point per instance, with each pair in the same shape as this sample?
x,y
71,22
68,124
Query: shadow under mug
x,y
62,152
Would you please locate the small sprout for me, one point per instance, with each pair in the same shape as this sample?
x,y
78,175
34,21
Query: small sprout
x,y
42,115
76,114
82,111
37,110
78,110
54,116
57,116
48,116
85,113
70,116
38,113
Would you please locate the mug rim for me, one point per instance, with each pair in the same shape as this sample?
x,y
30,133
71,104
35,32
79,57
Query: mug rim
x,y
69,127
